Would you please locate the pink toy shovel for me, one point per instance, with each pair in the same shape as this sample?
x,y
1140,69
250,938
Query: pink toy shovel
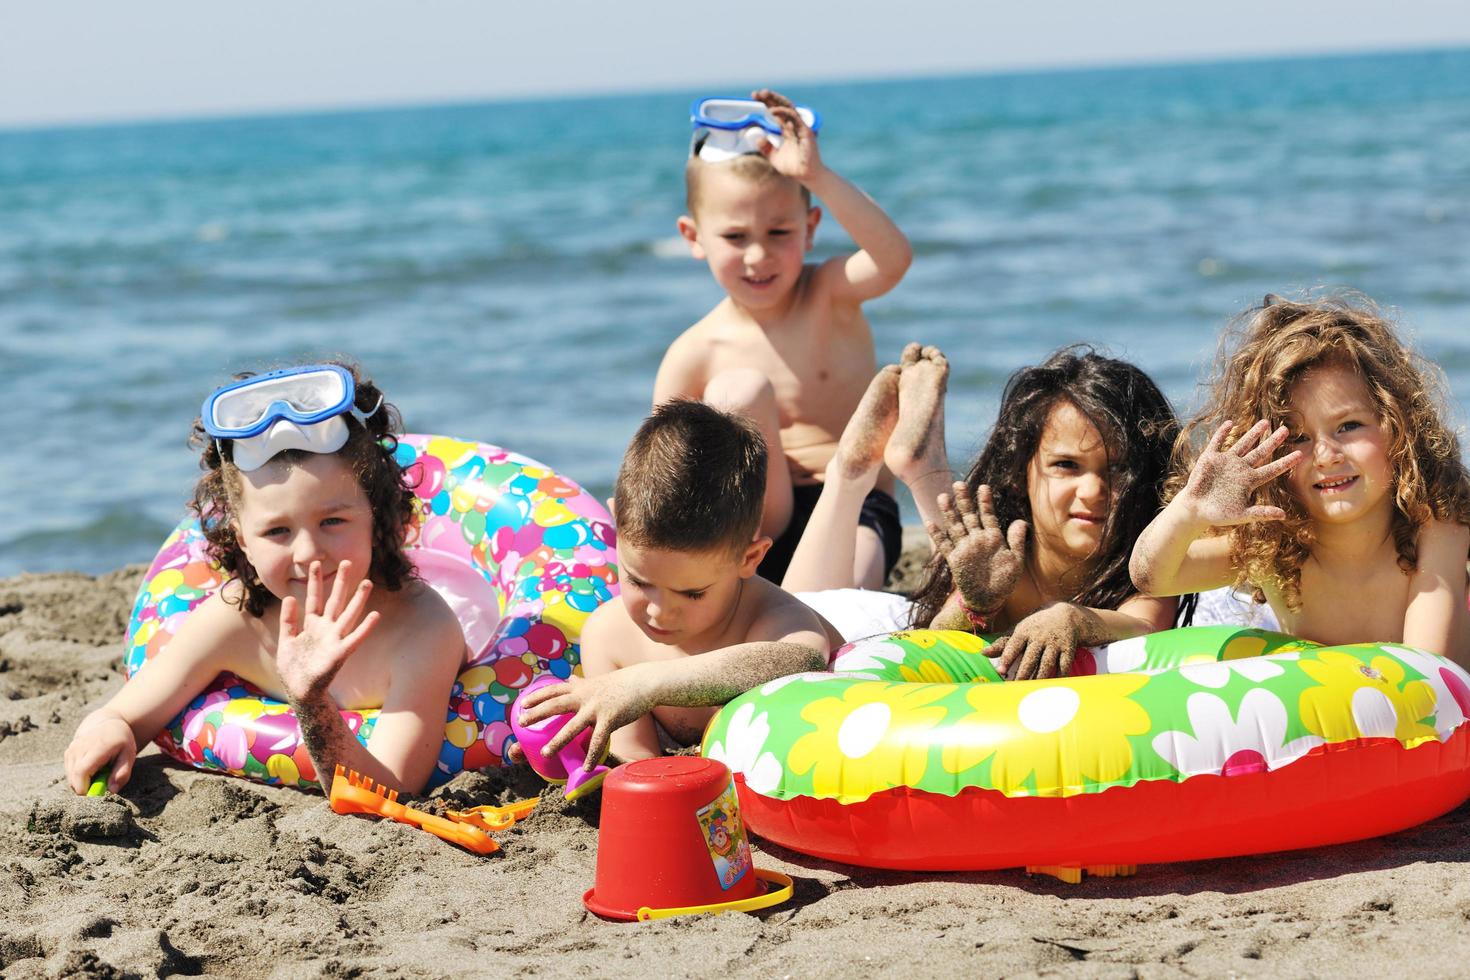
x,y
566,766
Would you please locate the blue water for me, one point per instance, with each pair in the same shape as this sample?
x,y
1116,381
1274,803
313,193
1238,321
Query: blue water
x,y
510,272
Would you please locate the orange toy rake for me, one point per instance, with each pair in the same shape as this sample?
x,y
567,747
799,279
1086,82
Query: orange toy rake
x,y
353,792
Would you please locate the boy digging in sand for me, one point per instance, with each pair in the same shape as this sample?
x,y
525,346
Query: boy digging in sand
x,y
695,625
788,345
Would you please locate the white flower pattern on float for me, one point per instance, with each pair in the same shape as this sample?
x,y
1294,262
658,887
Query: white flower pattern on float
x,y
1122,656
1450,682
745,738
809,677
1252,742
1217,674
870,655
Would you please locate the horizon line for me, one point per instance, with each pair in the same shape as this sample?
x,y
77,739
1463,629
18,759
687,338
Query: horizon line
x,y
447,100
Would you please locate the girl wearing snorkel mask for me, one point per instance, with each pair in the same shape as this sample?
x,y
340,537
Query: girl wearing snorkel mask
x,y
305,510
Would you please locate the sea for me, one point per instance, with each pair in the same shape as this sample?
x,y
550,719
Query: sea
x,y
510,271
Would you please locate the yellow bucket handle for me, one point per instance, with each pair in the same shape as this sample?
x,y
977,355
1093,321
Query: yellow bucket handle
x,y
772,896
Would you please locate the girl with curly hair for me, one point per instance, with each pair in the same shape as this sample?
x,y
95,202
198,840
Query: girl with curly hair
x,y
306,511
1361,530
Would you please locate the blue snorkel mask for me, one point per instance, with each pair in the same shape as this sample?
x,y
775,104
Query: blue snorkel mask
x,y
728,128
295,408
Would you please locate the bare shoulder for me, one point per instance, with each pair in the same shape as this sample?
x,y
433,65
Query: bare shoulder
x,y
776,614
824,276
220,632
610,639
1444,540
837,314
419,612
1443,549
426,607
685,366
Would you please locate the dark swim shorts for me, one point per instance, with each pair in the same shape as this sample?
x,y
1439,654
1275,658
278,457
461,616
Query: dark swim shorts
x,y
880,512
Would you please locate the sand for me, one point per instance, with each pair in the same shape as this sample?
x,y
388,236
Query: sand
x,y
197,874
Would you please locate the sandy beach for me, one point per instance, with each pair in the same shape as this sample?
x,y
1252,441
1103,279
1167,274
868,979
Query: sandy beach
x,y
195,874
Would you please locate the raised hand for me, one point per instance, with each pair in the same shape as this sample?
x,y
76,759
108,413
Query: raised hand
x,y
1041,645
797,156
315,641
985,564
1221,482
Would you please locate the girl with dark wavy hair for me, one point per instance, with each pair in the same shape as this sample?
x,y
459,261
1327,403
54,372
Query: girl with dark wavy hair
x,y
306,511
1073,471
1360,531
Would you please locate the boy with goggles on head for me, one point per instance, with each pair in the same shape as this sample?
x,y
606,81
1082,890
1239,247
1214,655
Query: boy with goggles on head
x,y
788,346
305,509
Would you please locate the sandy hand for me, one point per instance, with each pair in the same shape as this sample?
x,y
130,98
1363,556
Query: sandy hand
x,y
985,564
860,450
315,641
1041,645
797,156
101,739
1221,482
606,703
917,445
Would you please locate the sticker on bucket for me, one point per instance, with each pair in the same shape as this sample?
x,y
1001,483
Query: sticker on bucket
x,y
724,835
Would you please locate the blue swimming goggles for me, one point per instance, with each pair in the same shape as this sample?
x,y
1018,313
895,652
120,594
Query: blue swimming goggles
x,y
728,128
295,408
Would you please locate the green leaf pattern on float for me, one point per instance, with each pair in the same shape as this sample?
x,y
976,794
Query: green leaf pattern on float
x,y
925,709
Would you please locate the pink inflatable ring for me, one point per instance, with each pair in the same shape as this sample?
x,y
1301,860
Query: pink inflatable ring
x,y
522,554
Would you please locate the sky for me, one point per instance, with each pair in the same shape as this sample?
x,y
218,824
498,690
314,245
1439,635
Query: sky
x,y
70,61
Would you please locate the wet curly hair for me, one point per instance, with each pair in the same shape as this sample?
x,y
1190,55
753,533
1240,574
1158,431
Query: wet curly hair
x,y
1138,427
1263,353
369,451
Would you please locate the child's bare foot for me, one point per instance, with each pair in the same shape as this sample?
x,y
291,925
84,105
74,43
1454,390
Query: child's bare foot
x,y
860,451
916,448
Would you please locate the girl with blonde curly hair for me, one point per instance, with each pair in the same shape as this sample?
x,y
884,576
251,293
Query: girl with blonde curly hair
x,y
1360,531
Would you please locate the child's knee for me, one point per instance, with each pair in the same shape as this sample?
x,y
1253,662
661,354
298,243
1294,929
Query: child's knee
x,y
743,390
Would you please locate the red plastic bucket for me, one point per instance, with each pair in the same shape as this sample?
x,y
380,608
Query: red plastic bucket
x,y
671,841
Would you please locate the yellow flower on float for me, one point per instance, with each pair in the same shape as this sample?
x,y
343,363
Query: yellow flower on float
x,y
928,673
872,738
1060,733
1358,700
1243,647
923,639
928,639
